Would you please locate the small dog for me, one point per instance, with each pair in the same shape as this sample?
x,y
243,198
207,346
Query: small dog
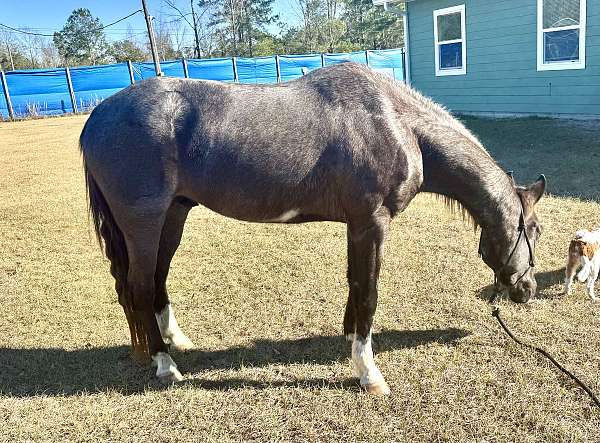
x,y
584,250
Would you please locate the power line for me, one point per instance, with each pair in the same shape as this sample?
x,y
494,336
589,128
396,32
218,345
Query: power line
x,y
52,35
25,32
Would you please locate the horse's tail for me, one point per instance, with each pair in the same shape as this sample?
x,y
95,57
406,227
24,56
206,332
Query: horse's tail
x,y
109,234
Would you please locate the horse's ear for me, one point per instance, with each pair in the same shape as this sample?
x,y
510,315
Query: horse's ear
x,y
537,189
512,177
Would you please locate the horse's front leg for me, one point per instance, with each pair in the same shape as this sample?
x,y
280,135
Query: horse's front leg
x,y
366,238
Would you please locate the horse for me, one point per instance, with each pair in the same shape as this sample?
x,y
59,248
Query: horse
x,y
342,143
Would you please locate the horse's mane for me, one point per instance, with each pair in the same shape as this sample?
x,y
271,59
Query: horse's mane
x,y
457,207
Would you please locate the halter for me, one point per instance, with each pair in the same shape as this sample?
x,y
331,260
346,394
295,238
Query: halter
x,y
522,233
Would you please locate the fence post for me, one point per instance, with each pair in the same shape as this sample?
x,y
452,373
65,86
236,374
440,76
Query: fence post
x,y
11,113
406,51
186,74
367,56
71,92
277,68
403,67
130,69
235,73
322,60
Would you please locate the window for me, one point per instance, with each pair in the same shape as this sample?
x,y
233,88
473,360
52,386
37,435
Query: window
x,y
450,41
561,34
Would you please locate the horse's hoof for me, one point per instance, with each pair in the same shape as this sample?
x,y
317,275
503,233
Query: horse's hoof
x,y
379,389
170,377
166,369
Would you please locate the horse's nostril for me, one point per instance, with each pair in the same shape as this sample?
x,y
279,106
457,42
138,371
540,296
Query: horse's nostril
x,y
523,291
531,286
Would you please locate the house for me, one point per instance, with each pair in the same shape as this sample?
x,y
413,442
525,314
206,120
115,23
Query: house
x,y
510,57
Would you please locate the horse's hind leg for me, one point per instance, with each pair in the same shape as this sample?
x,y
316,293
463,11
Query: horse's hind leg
x,y
350,314
169,242
367,248
142,235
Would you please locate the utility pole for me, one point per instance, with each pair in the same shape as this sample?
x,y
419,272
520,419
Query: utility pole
x,y
152,41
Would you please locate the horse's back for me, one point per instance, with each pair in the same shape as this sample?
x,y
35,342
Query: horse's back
x,y
248,151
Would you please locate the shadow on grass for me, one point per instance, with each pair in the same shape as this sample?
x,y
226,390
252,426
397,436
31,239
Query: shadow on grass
x,y
54,371
545,280
566,151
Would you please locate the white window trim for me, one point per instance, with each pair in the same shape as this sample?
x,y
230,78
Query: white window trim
x,y
556,66
454,71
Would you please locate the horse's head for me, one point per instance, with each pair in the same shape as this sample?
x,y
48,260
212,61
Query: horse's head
x,y
510,250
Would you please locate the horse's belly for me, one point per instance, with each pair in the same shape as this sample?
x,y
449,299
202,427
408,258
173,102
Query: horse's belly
x,y
269,203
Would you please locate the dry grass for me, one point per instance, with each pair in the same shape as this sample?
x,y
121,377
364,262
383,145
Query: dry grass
x,y
264,303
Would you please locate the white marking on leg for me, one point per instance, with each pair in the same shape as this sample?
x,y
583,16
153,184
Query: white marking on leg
x,y
288,215
170,331
364,363
351,337
166,367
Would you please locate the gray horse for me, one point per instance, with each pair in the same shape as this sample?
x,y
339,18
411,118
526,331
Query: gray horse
x,y
343,143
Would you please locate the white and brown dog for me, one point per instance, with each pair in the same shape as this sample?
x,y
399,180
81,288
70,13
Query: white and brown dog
x,y
584,250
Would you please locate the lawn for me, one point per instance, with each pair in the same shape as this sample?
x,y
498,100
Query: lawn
x,y
264,305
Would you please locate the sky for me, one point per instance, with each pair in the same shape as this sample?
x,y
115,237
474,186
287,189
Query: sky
x,y
47,16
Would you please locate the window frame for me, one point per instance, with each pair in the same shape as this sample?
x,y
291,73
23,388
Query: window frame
x,y
542,65
463,40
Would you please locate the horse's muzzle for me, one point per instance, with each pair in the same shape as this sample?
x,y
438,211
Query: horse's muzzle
x,y
523,291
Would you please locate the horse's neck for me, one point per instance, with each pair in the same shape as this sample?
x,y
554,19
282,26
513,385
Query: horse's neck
x,y
457,166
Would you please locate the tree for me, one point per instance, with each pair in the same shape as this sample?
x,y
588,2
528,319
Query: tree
x,y
12,59
322,29
163,34
81,40
267,44
32,45
17,52
49,56
190,18
237,24
370,27
125,49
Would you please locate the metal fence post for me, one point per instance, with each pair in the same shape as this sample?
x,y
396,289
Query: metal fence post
x,y
322,60
71,92
11,113
130,69
235,73
406,51
403,67
277,69
186,74
367,56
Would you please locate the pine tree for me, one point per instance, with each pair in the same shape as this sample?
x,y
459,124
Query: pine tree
x,y
81,40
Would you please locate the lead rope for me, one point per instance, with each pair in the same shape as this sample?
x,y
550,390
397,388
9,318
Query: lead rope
x,y
496,313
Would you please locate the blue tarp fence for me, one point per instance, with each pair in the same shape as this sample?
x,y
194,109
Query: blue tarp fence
x,y
46,91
